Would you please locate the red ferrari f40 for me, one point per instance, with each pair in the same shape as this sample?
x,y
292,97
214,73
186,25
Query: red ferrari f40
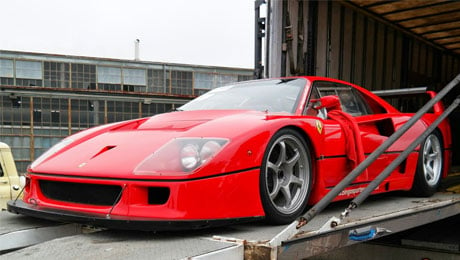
x,y
262,149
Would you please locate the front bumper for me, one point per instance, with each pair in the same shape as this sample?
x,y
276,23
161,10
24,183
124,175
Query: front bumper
x,y
117,222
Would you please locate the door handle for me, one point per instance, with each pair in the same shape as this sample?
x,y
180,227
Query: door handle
x,y
3,182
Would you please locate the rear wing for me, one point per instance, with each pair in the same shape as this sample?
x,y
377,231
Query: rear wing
x,y
400,91
410,100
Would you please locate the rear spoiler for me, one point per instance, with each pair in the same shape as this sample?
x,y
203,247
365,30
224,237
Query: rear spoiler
x,y
400,91
402,99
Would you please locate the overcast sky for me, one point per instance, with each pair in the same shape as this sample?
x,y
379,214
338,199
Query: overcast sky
x,y
203,32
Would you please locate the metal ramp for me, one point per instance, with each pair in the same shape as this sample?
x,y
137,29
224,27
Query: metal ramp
x,y
18,231
393,212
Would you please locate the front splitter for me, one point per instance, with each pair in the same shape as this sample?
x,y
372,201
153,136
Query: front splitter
x,y
118,222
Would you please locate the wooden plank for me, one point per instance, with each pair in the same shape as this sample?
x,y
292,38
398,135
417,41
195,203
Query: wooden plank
x,y
397,60
275,43
449,66
422,59
415,56
379,57
444,69
429,10
293,6
322,39
389,59
368,2
335,51
448,40
429,62
442,34
437,27
370,53
435,19
456,68
348,31
358,50
453,46
401,5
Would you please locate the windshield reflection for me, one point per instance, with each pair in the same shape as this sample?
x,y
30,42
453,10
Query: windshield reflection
x,y
277,95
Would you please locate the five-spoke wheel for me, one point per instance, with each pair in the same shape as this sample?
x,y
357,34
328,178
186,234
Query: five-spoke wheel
x,y
429,167
285,177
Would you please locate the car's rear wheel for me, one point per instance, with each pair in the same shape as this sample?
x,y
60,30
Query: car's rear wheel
x,y
285,180
429,166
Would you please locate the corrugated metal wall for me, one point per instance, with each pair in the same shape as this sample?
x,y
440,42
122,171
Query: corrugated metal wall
x,y
341,42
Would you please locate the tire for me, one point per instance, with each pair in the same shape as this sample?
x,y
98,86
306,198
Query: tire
x,y
285,178
429,166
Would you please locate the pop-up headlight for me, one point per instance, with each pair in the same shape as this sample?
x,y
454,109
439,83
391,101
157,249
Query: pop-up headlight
x,y
181,155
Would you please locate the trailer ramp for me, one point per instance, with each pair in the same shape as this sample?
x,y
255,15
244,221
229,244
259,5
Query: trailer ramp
x,y
389,212
18,231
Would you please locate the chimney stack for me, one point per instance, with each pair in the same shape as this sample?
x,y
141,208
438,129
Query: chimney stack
x,y
136,50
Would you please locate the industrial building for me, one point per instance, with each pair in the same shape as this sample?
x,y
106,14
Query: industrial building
x,y
46,97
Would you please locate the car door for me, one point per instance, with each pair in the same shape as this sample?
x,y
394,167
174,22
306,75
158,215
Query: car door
x,y
374,128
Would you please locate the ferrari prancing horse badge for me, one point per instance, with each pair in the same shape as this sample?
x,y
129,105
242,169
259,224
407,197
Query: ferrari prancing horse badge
x,y
319,126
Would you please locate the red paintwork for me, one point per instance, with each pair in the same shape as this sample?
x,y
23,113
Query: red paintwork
x,y
234,192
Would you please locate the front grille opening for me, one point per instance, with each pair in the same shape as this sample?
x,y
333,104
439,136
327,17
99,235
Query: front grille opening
x,y
83,193
158,195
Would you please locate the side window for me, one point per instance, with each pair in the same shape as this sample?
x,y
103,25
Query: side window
x,y
352,102
350,99
309,110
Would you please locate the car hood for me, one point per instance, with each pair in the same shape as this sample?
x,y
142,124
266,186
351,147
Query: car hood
x,y
116,150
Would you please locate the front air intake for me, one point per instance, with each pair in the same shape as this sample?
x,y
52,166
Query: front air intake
x,y
82,193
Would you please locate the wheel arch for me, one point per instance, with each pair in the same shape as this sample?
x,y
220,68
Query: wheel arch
x,y
446,164
445,134
311,147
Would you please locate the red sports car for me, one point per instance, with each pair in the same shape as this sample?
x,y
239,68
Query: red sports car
x,y
252,150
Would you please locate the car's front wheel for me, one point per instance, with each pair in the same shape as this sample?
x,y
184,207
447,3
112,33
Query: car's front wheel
x,y
429,166
286,174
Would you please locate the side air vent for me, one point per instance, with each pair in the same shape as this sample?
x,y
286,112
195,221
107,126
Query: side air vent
x,y
385,127
158,195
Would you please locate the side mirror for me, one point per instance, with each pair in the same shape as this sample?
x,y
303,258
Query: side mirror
x,y
328,102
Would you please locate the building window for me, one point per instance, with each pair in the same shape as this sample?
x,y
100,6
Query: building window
x,y
109,78
56,75
37,115
181,82
15,101
204,80
29,69
222,80
134,80
55,116
156,81
122,110
6,72
245,77
82,115
109,75
83,76
28,73
155,108
134,77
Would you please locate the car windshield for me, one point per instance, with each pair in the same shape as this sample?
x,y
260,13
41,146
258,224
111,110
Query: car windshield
x,y
278,95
